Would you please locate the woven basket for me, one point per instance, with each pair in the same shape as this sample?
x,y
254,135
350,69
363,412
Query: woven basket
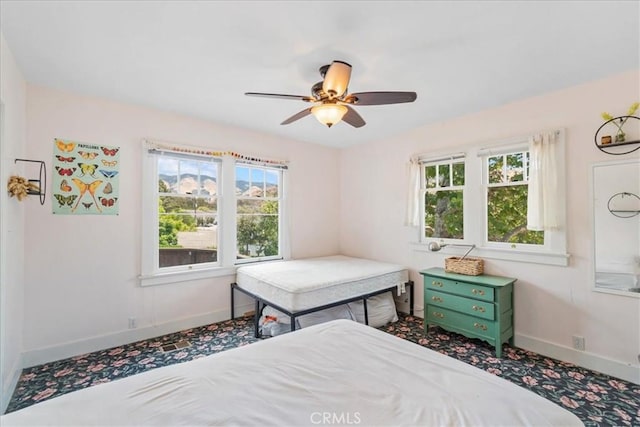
x,y
468,266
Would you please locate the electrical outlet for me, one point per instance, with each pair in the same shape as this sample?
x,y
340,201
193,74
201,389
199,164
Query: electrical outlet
x,y
133,323
578,342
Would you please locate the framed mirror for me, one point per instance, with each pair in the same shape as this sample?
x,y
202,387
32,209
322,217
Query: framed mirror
x,y
616,226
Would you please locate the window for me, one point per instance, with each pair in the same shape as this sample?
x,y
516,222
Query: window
x,y
480,197
187,211
443,188
257,213
506,200
203,214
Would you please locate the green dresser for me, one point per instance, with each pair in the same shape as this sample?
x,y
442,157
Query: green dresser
x,y
474,306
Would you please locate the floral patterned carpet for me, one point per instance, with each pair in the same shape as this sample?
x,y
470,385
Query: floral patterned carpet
x,y
597,399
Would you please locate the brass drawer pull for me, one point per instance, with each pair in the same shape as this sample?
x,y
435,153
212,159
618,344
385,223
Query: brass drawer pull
x,y
477,291
480,326
436,299
438,284
438,315
478,308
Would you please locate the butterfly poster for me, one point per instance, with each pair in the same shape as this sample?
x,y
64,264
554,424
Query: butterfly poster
x,y
85,178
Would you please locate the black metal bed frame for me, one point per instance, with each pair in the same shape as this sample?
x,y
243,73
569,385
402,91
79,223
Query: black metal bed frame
x,y
293,315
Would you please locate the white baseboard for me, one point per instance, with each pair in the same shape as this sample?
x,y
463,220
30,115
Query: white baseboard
x,y
7,389
584,359
75,348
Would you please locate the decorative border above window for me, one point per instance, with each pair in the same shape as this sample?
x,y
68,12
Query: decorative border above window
x,y
160,146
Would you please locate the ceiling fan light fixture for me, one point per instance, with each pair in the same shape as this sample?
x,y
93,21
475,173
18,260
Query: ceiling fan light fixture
x,y
336,80
329,114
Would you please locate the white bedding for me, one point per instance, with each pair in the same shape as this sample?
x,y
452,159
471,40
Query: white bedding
x,y
306,283
348,372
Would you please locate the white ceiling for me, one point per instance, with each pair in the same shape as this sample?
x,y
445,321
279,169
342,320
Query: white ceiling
x,y
198,58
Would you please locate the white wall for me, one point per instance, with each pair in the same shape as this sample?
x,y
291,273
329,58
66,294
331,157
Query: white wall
x,y
551,303
81,274
12,145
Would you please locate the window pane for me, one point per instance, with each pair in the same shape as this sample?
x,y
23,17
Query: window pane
x,y
208,178
257,232
167,175
443,214
272,183
257,182
458,174
242,180
430,176
507,216
444,175
515,167
495,165
189,177
185,239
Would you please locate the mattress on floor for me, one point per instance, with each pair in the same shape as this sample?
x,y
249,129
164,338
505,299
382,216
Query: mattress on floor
x,y
312,282
349,372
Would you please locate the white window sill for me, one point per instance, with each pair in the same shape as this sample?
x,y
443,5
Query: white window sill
x,y
547,258
184,276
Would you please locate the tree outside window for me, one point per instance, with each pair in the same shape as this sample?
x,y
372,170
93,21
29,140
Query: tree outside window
x,y
258,212
443,200
507,190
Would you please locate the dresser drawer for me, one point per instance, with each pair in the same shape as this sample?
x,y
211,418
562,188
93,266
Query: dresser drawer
x,y
469,324
485,310
484,293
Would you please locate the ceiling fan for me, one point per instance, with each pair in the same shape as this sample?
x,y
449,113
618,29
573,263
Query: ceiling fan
x,y
332,101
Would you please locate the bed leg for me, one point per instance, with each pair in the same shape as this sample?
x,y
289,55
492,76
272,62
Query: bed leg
x,y
232,302
293,323
366,311
411,292
256,320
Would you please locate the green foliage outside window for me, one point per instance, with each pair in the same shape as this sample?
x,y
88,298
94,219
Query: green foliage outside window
x,y
444,214
507,216
443,200
257,232
507,200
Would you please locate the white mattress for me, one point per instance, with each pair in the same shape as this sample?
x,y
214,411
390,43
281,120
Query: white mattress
x,y
306,283
351,373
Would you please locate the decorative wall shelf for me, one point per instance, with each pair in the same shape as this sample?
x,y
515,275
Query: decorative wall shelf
x,y
605,148
41,182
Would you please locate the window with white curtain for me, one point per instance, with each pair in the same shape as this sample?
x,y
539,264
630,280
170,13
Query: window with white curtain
x,y
204,214
482,196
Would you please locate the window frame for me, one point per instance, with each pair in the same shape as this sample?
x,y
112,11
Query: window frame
x,y
486,186
451,160
279,199
207,265
151,273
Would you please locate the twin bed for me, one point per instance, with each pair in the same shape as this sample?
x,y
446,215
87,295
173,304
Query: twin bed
x,y
300,287
339,372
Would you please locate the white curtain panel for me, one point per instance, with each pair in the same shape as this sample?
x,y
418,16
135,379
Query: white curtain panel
x,y
412,218
542,202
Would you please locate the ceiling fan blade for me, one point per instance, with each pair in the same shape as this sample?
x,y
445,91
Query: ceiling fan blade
x,y
281,96
297,116
380,98
336,80
353,118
